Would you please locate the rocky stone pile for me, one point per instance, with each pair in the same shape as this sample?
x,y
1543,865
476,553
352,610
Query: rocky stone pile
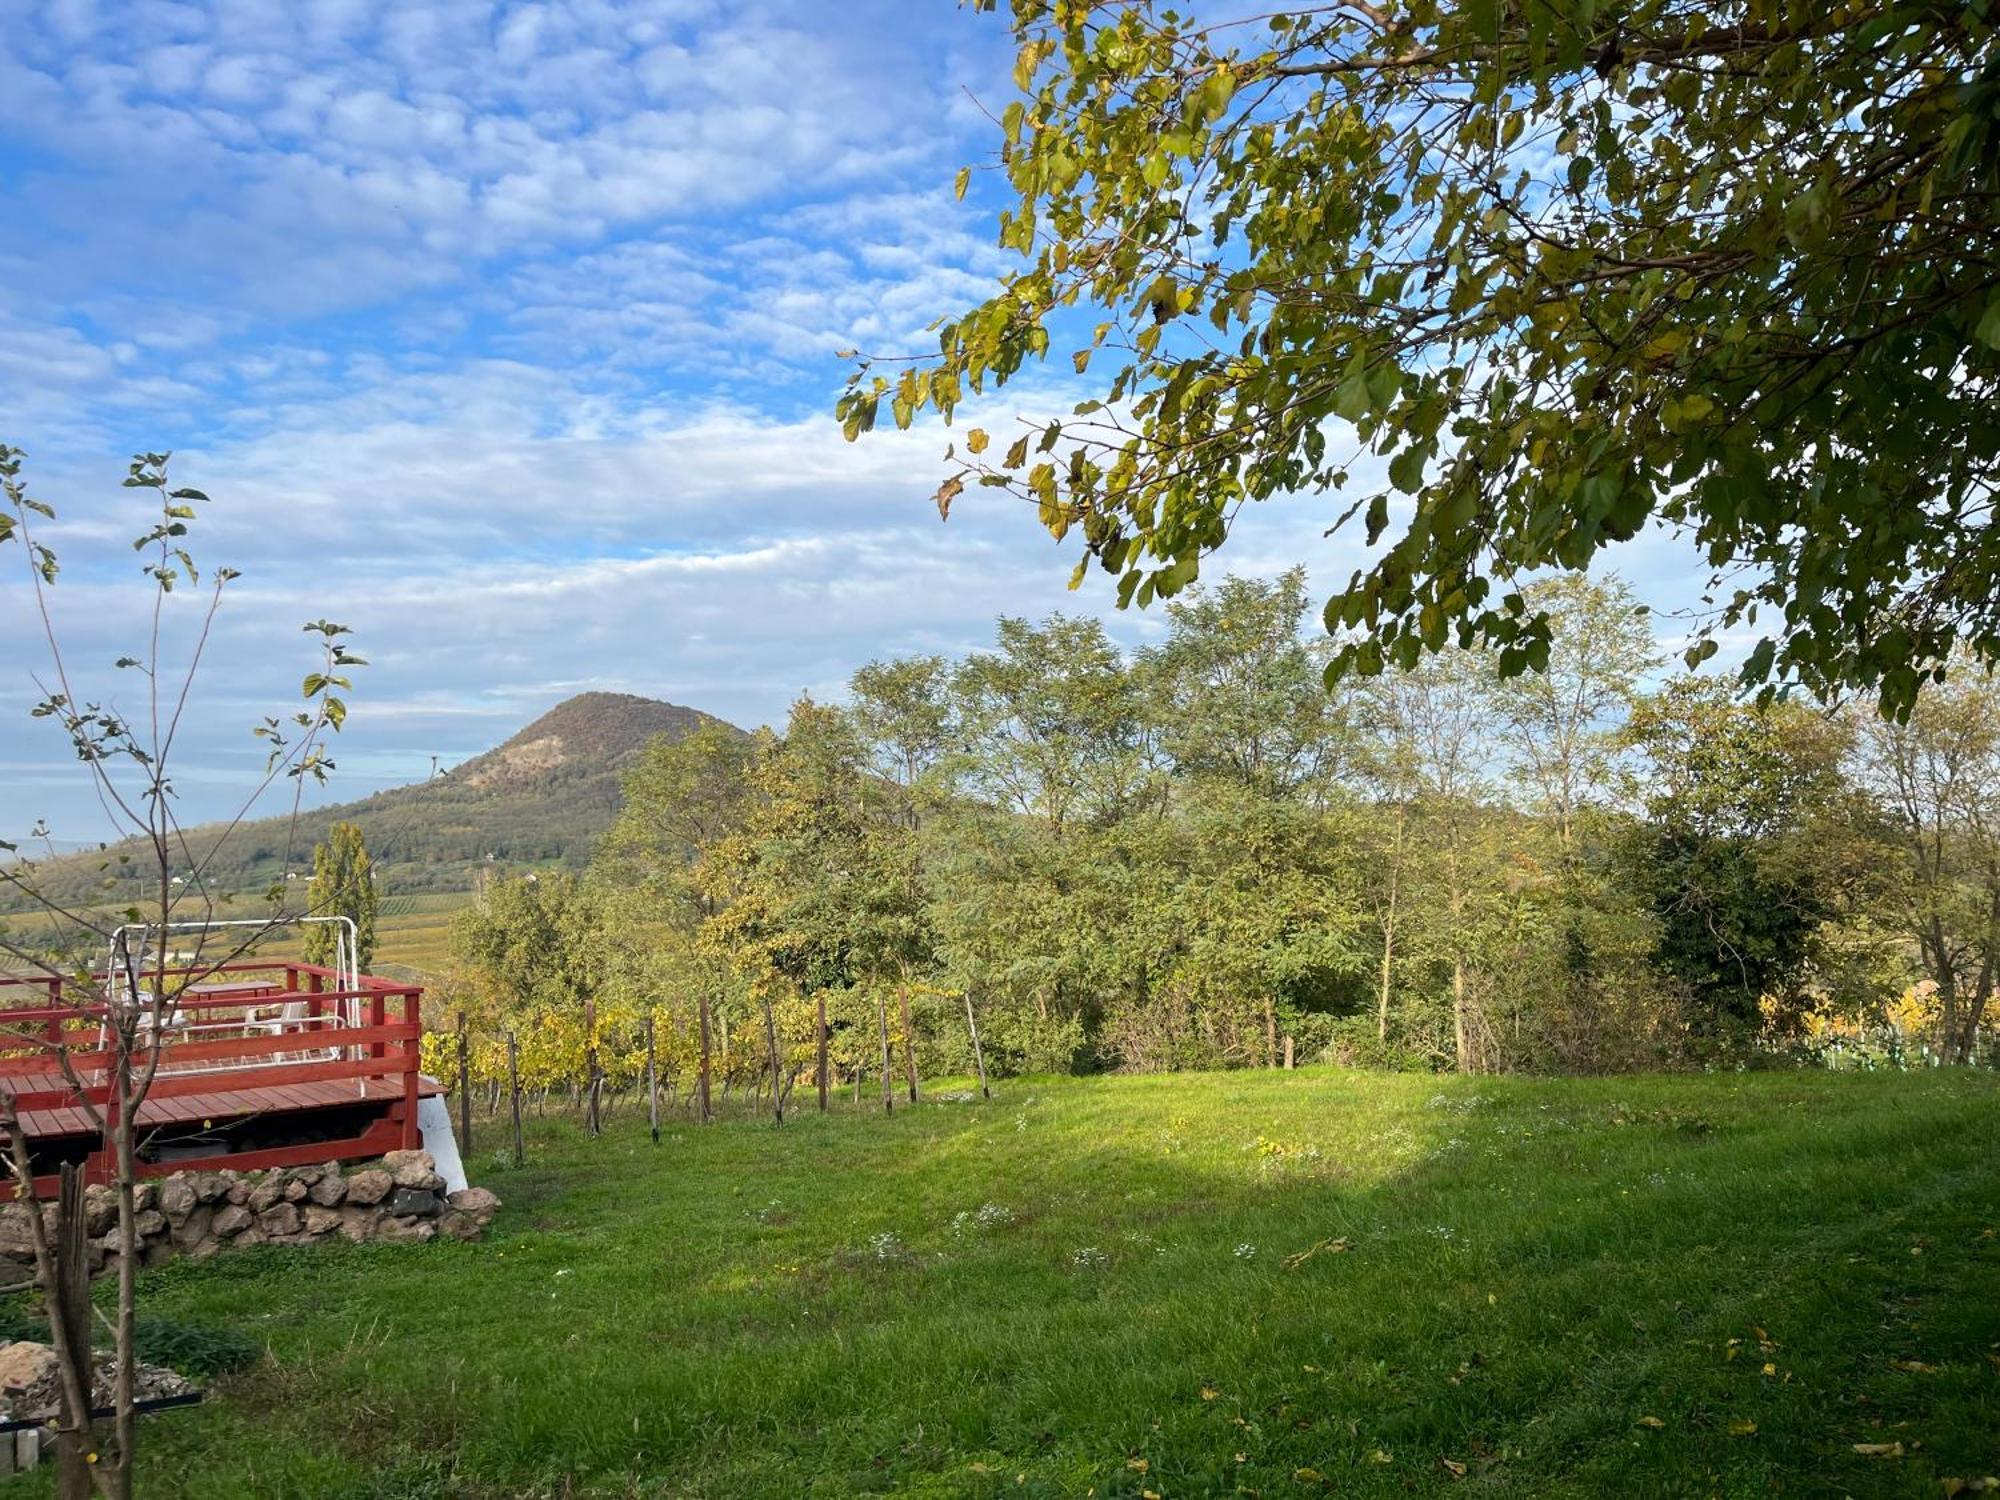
x,y
31,1390
400,1199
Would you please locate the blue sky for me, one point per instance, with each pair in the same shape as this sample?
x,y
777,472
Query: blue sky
x,y
505,334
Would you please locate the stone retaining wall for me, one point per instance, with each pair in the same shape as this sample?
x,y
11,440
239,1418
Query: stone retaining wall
x,y
400,1198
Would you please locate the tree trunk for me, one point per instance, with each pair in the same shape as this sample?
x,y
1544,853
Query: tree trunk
x,y
909,1040
1270,1033
825,1081
464,1090
592,1125
1461,1040
771,1037
514,1094
69,1300
652,1081
888,1087
701,1085
1389,928
978,1057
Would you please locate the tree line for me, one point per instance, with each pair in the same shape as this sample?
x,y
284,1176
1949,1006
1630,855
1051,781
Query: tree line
x,y
1196,855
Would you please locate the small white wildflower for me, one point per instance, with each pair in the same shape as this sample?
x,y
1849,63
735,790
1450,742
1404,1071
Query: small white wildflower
x,y
1089,1258
1246,1251
887,1245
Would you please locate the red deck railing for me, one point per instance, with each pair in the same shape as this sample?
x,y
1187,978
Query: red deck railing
x,y
249,1039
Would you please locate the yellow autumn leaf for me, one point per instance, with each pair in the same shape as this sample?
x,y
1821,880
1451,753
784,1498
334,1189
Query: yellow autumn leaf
x,y
1654,1422
1879,1450
1307,1476
1137,1465
976,440
1742,1427
1381,1456
1770,1369
1209,1393
1453,1467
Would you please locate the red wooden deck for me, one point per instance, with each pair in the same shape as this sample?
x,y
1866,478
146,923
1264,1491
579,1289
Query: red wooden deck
x,y
261,1064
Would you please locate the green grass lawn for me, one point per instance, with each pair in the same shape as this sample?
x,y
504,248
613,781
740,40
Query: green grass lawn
x,y
1630,1286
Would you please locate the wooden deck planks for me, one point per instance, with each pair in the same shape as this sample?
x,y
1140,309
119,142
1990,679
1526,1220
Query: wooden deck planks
x,y
230,1104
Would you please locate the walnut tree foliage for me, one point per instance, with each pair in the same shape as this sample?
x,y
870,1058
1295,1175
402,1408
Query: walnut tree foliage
x,y
1560,269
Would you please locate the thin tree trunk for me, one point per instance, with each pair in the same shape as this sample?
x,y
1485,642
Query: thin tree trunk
x,y
888,1088
1389,929
909,1040
592,1124
771,1037
1270,1033
824,1080
72,1363
1460,1037
701,1086
69,1300
978,1057
652,1081
464,1090
514,1094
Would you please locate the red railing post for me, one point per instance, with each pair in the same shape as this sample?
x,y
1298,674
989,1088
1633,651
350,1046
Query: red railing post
x,y
413,1047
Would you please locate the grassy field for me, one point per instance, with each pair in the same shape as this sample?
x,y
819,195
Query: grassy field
x,y
1283,1285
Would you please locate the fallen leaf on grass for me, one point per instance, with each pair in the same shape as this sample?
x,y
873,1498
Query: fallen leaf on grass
x,y
1879,1450
1742,1427
1307,1476
1381,1456
1453,1467
1138,1465
1913,1366
1324,1247
1969,1486
1209,1393
1654,1422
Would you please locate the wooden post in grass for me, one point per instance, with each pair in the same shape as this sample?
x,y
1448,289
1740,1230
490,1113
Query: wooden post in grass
x,y
514,1093
652,1081
464,1089
888,1087
909,1040
1288,1051
771,1038
591,1124
707,1110
823,1079
978,1057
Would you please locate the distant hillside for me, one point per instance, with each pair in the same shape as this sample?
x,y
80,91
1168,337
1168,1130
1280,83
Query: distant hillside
x,y
543,797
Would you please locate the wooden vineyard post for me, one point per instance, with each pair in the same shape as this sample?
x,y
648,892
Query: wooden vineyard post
x,y
909,1040
1288,1050
652,1081
888,1087
823,1081
771,1038
707,1111
464,1089
978,1057
591,1124
514,1093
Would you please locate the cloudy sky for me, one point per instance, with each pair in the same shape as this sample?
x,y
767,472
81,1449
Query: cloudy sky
x,y
505,334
